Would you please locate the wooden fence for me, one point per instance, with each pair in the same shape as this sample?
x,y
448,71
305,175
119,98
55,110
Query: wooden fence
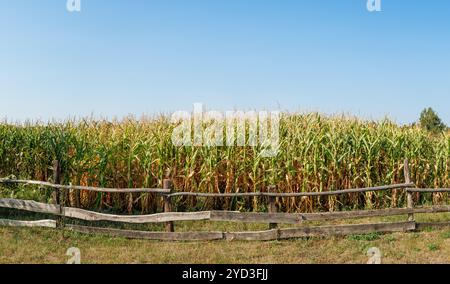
x,y
272,217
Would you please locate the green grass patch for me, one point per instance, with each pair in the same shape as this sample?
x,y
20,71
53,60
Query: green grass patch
x,y
365,237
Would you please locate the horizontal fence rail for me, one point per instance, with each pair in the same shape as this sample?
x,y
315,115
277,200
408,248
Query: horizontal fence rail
x,y
88,188
38,223
199,194
220,216
272,217
295,194
428,190
269,235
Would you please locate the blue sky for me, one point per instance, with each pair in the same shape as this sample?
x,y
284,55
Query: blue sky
x,y
119,57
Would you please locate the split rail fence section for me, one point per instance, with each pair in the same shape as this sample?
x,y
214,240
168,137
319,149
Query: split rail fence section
x,y
272,217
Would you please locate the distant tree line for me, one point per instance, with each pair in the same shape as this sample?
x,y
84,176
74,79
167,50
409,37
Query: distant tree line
x,y
430,121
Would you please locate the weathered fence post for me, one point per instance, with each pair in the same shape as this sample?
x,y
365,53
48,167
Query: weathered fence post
x,y
56,191
409,197
272,205
167,184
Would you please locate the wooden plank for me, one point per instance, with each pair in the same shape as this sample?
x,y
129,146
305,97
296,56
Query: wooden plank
x,y
247,217
29,205
428,190
296,194
39,223
88,188
328,216
372,213
162,236
255,217
216,195
343,191
136,219
436,225
346,229
220,216
252,236
297,218
432,209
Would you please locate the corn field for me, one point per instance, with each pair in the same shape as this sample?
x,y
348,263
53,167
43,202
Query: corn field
x,y
317,153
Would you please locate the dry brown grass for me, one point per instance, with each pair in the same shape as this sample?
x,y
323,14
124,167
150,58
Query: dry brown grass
x,y
25,245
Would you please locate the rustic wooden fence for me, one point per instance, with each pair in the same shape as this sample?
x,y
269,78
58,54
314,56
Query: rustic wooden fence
x,y
272,218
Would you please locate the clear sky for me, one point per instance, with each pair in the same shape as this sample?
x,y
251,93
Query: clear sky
x,y
119,57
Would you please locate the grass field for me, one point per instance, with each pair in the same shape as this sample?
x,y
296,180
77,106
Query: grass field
x,y
33,245
41,245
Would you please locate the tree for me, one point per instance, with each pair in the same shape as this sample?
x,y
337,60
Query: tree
x,y
431,121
